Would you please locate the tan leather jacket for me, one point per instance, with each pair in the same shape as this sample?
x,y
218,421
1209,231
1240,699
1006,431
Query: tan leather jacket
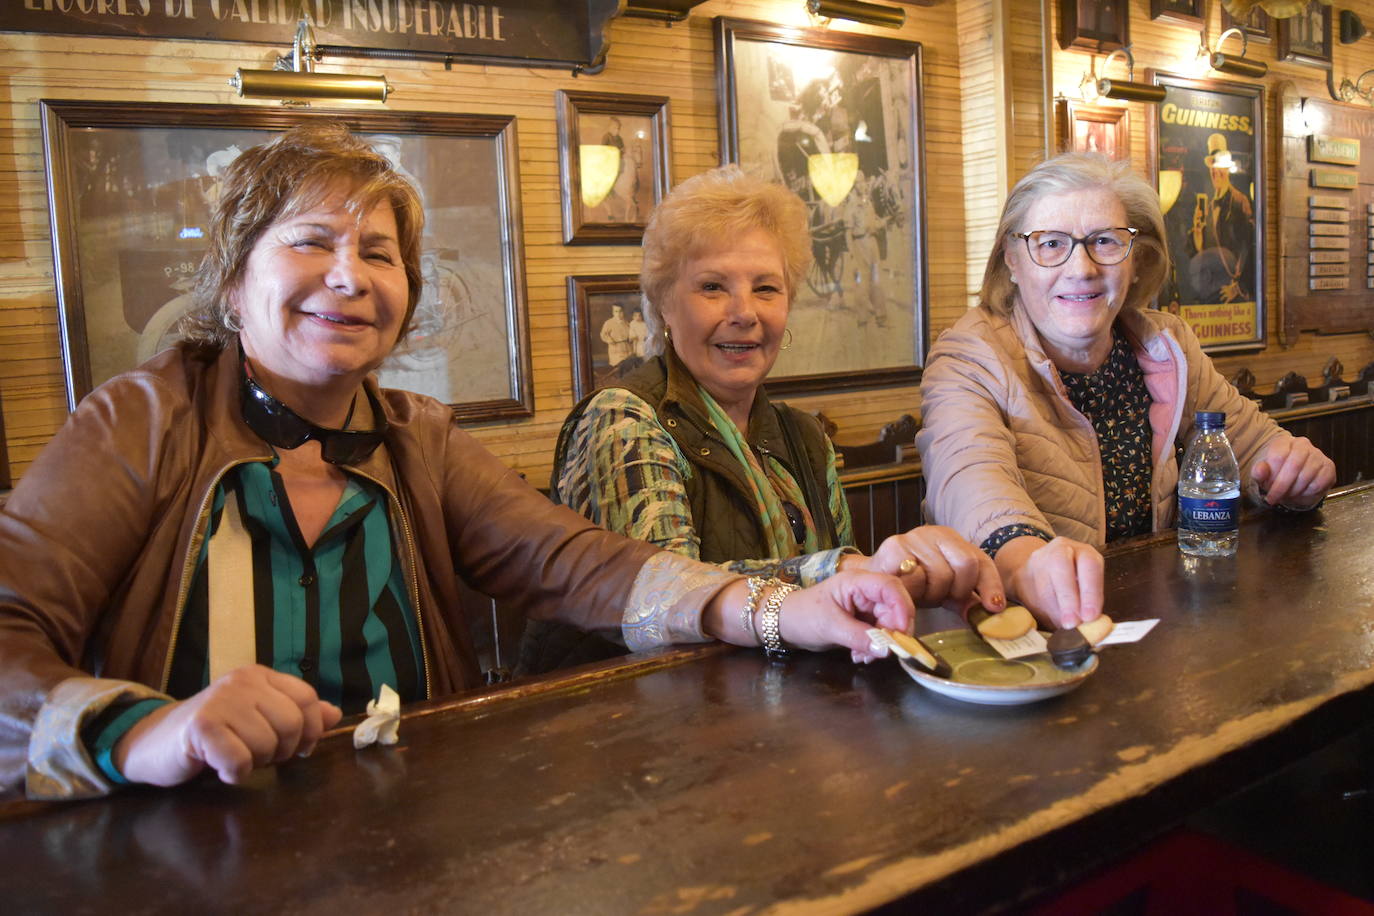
x,y
1001,443
99,540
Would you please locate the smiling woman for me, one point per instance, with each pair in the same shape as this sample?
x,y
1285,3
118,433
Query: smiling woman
x,y
1052,411
688,453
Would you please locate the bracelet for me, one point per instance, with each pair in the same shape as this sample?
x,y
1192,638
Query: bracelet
x,y
771,619
746,617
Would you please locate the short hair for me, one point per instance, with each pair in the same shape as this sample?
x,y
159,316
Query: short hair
x,y
1066,173
702,212
282,178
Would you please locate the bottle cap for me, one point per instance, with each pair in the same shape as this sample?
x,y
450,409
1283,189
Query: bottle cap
x,y
1211,419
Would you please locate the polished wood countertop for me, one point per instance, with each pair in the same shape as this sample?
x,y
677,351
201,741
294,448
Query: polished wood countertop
x,y
710,781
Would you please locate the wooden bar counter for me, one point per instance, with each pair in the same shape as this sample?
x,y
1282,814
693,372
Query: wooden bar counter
x,y
712,781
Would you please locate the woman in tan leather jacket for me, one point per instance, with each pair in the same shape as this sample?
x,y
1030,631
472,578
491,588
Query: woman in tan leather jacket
x,y
227,548
1052,410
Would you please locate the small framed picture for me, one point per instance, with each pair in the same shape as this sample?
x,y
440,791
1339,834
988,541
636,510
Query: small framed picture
x,y
1094,25
606,324
613,163
1256,24
1104,129
1306,37
1183,12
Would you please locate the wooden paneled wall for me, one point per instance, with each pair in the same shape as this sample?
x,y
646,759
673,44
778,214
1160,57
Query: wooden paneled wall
x,y
984,105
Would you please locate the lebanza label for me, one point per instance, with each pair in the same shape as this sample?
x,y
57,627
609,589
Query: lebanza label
x,y
1209,514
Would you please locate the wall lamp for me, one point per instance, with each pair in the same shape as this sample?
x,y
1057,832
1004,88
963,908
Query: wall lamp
x,y
1237,66
891,17
668,11
1128,90
294,79
1350,91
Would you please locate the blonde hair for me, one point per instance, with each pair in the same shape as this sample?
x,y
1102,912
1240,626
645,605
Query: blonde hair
x,y
1065,174
703,212
282,178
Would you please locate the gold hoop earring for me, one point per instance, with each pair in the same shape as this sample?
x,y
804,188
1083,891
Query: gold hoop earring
x,y
787,337
667,334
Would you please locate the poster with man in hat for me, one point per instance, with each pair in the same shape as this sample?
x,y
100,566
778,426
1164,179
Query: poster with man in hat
x,y
1209,161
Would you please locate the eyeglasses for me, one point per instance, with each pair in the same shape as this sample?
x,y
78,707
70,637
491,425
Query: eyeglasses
x,y
280,426
1105,246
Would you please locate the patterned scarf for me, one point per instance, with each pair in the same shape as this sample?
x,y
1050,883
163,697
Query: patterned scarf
x,y
770,483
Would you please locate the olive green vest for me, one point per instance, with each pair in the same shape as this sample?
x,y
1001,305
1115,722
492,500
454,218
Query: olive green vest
x,y
724,513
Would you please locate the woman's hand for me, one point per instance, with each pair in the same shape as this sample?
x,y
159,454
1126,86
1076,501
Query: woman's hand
x,y
1293,472
251,717
1060,582
839,611
948,569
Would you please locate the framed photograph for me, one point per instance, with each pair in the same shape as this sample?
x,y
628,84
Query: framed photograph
x,y
613,162
1095,25
1183,12
1256,24
606,323
1104,129
131,188
1306,37
1207,156
837,117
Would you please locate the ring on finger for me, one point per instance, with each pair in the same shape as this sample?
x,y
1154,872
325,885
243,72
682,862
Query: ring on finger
x,y
908,566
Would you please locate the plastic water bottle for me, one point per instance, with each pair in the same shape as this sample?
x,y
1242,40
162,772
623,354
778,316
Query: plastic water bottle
x,y
1209,491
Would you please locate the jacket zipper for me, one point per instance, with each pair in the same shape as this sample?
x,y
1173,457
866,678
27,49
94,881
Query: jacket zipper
x,y
187,568
414,579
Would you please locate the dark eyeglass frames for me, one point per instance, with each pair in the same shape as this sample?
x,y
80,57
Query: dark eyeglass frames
x,y
280,426
1105,246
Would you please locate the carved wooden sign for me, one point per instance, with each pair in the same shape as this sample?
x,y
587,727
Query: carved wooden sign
x,y
518,32
1326,215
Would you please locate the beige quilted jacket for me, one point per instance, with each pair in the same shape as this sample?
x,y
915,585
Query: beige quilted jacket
x,y
1001,444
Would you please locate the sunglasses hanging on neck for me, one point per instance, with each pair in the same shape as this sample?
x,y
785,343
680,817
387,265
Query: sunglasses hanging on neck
x,y
281,427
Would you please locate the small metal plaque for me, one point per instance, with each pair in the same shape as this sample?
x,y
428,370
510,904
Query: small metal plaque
x,y
1329,215
1327,270
1338,392
1333,150
1331,200
1330,178
1326,241
1331,229
1328,283
1328,257
1295,399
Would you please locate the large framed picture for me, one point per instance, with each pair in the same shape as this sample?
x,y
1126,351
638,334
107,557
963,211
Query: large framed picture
x,y
606,322
1094,25
1104,129
1306,37
613,163
1207,154
131,188
837,117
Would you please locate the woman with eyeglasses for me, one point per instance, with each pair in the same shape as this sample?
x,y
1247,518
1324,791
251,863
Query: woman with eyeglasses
x,y
1053,411
688,452
227,548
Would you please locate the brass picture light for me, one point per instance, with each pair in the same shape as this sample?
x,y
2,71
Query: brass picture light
x,y
1237,66
891,17
294,78
1128,90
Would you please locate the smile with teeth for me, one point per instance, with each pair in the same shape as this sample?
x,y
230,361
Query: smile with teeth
x,y
333,318
1079,297
737,347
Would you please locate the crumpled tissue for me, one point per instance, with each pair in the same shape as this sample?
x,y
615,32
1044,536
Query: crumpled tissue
x,y
383,721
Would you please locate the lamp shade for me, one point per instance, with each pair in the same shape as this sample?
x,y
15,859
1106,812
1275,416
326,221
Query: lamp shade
x,y
286,84
832,175
1239,66
600,169
1131,92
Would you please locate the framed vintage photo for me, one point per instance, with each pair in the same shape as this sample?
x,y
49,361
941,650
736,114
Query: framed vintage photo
x,y
606,324
1182,12
1095,25
1306,37
1256,24
1104,129
613,163
131,188
837,117
1207,156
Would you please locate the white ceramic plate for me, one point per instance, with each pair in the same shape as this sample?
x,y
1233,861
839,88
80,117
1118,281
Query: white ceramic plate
x,y
982,676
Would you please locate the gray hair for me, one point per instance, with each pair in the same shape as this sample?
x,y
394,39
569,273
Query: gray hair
x,y
1066,173
702,212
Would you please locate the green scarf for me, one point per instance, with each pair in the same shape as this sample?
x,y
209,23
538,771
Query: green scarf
x,y
770,483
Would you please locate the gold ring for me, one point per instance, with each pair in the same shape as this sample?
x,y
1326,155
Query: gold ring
x,y
908,566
